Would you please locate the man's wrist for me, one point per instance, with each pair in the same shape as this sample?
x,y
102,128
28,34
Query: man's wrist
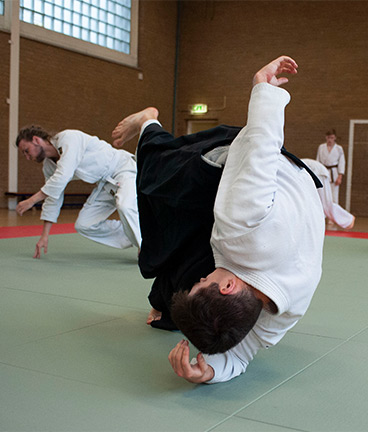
x,y
258,78
211,373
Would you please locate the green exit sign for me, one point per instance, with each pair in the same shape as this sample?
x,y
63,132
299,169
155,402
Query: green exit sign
x,y
198,109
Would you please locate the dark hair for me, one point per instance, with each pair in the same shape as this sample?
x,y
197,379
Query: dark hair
x,y
331,132
214,322
27,133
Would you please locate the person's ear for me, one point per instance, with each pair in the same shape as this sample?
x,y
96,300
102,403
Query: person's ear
x,y
37,140
228,286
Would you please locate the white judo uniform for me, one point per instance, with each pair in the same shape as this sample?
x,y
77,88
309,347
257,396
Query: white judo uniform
x,y
269,228
333,211
85,157
334,161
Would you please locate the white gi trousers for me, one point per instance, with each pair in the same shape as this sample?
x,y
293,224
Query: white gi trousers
x,y
334,188
332,210
93,221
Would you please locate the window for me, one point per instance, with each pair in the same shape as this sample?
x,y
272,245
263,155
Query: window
x,y
101,28
105,22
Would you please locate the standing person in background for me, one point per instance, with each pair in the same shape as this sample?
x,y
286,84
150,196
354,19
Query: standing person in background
x,y
331,155
75,155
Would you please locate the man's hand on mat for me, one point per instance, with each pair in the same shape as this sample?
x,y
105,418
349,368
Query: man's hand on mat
x,y
41,244
269,72
194,373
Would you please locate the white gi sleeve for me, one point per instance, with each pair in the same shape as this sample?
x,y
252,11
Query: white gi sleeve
x,y
72,147
249,180
319,154
235,361
51,206
341,163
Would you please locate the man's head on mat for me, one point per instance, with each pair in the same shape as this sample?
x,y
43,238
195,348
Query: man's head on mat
x,y
218,312
31,141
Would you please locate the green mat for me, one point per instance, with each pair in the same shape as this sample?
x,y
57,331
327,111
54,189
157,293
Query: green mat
x,y
76,354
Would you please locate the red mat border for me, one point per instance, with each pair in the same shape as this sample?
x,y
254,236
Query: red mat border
x,y
36,230
362,235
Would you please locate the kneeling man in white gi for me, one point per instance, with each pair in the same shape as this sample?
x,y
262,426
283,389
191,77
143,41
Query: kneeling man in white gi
x,y
267,242
75,155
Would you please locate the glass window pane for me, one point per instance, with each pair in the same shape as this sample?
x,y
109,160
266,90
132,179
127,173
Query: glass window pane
x,y
110,43
76,19
77,6
85,22
67,16
38,19
58,26
38,6
76,31
67,29
103,22
101,40
58,12
28,4
85,9
48,23
94,25
28,16
85,35
48,9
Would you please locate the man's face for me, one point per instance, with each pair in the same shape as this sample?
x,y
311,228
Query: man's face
x,y
330,139
32,150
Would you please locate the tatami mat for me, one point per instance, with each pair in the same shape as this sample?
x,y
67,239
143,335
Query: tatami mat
x,y
76,354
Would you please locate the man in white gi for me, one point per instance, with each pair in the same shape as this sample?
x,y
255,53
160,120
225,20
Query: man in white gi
x,y
72,155
331,155
334,212
267,242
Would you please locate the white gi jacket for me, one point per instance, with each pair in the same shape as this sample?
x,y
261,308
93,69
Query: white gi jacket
x,y
82,157
335,159
269,228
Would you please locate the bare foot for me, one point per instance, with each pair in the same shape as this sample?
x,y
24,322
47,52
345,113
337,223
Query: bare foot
x,y
129,127
154,315
352,224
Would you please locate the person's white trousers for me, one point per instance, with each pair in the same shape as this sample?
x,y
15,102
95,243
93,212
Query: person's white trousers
x,y
93,220
332,210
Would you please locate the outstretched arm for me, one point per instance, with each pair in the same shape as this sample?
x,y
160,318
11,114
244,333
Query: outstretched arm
x,y
252,162
278,66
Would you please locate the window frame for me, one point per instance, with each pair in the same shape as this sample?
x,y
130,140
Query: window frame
x,y
50,37
5,19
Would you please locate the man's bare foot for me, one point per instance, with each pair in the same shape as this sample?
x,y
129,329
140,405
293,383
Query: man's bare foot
x,y
129,127
352,224
154,315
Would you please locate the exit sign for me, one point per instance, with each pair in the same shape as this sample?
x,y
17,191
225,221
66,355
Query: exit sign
x,y
198,109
